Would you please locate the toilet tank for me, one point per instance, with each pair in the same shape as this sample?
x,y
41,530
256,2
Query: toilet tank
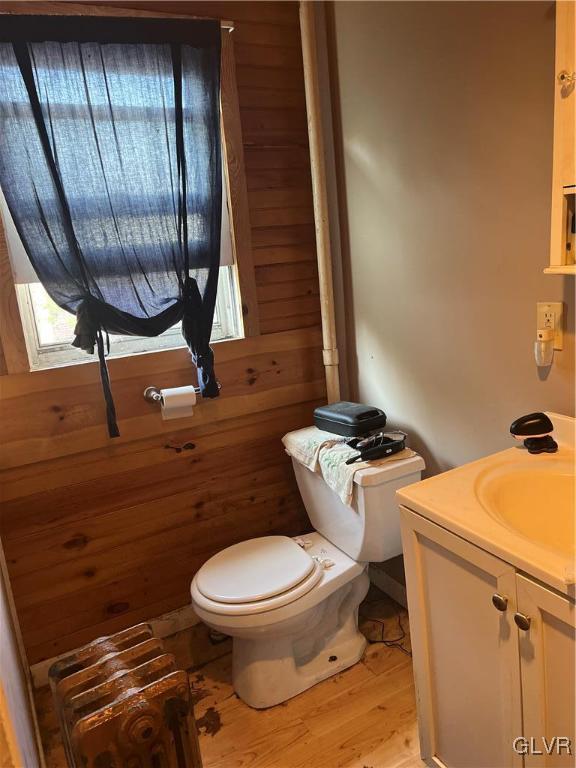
x,y
369,530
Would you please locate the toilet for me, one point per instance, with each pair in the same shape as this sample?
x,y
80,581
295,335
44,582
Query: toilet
x,y
291,605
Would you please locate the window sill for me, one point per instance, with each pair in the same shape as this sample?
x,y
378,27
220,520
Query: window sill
x,y
82,358
84,372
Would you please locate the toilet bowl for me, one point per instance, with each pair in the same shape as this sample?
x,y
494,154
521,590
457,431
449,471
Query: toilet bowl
x,y
291,605
287,643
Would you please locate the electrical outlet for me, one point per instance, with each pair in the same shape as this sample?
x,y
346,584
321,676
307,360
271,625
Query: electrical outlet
x,y
550,314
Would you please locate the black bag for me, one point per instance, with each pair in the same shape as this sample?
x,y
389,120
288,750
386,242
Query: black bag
x,y
349,419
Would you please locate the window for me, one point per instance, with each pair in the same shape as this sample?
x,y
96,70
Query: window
x,y
49,330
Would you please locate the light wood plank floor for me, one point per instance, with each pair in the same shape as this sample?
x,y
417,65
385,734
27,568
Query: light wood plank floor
x,y
364,717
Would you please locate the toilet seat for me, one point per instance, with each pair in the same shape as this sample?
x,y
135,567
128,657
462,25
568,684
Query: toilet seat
x,y
255,576
255,569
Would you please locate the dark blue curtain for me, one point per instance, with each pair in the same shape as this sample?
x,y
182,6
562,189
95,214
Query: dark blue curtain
x,y
110,161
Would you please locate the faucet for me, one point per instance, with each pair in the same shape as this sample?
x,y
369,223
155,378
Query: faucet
x,y
534,429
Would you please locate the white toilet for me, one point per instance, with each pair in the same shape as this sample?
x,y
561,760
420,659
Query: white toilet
x,y
291,605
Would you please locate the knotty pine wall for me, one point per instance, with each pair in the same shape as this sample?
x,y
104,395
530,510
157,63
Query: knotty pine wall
x,y
102,534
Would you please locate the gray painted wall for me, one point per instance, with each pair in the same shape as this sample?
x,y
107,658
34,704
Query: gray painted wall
x,y
446,116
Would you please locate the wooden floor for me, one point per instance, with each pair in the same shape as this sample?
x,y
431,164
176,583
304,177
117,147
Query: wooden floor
x,y
362,718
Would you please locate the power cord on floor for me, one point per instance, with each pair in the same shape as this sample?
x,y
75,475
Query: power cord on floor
x,y
395,642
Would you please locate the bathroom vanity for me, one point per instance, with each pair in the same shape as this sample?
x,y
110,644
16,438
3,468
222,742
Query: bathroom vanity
x,y
489,556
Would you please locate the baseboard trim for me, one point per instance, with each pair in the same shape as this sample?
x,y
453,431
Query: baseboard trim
x,y
387,584
162,626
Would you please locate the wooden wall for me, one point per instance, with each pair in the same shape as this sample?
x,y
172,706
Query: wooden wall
x,y
101,534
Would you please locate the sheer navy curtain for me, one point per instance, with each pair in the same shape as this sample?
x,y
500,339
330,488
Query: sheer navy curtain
x,y
110,162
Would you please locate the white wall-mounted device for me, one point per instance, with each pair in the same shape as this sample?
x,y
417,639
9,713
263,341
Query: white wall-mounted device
x,y
549,331
550,315
544,347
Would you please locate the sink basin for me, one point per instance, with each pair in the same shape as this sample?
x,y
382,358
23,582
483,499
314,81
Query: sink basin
x,y
538,502
517,507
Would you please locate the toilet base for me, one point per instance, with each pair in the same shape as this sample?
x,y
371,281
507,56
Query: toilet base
x,y
321,642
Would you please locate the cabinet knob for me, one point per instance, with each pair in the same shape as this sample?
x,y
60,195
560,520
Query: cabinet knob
x,y
500,602
522,621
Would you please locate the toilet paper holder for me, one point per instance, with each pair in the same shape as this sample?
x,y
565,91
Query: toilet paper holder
x,y
153,394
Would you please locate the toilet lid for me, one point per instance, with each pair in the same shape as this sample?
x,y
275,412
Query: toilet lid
x,y
253,570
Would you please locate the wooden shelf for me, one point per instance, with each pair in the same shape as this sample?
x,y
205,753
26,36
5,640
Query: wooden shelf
x,y
562,269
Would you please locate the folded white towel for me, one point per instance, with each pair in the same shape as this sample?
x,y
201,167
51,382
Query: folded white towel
x,y
305,444
326,453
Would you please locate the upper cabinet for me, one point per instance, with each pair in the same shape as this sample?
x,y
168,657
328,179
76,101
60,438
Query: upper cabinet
x,y
562,241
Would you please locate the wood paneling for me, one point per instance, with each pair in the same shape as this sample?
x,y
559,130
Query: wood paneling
x,y
100,534
81,556
256,375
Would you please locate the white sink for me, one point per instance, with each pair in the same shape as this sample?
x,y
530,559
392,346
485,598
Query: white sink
x,y
517,506
536,501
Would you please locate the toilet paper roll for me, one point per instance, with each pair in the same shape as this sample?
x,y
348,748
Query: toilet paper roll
x,y
177,402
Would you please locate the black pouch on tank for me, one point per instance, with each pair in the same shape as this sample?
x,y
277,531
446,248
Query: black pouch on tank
x,y
349,419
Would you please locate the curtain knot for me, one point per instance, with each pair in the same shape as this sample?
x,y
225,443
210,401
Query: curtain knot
x,y
87,326
205,360
195,337
206,377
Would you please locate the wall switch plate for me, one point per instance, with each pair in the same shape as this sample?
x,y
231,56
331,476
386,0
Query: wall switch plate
x,y
550,314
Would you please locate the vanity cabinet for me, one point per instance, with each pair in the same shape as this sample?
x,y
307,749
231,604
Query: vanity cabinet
x,y
562,236
481,681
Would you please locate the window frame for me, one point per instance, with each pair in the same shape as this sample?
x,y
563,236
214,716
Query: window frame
x,y
47,356
14,348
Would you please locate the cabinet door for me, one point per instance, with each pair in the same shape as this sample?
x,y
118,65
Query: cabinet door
x,y
565,97
547,651
564,155
465,651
